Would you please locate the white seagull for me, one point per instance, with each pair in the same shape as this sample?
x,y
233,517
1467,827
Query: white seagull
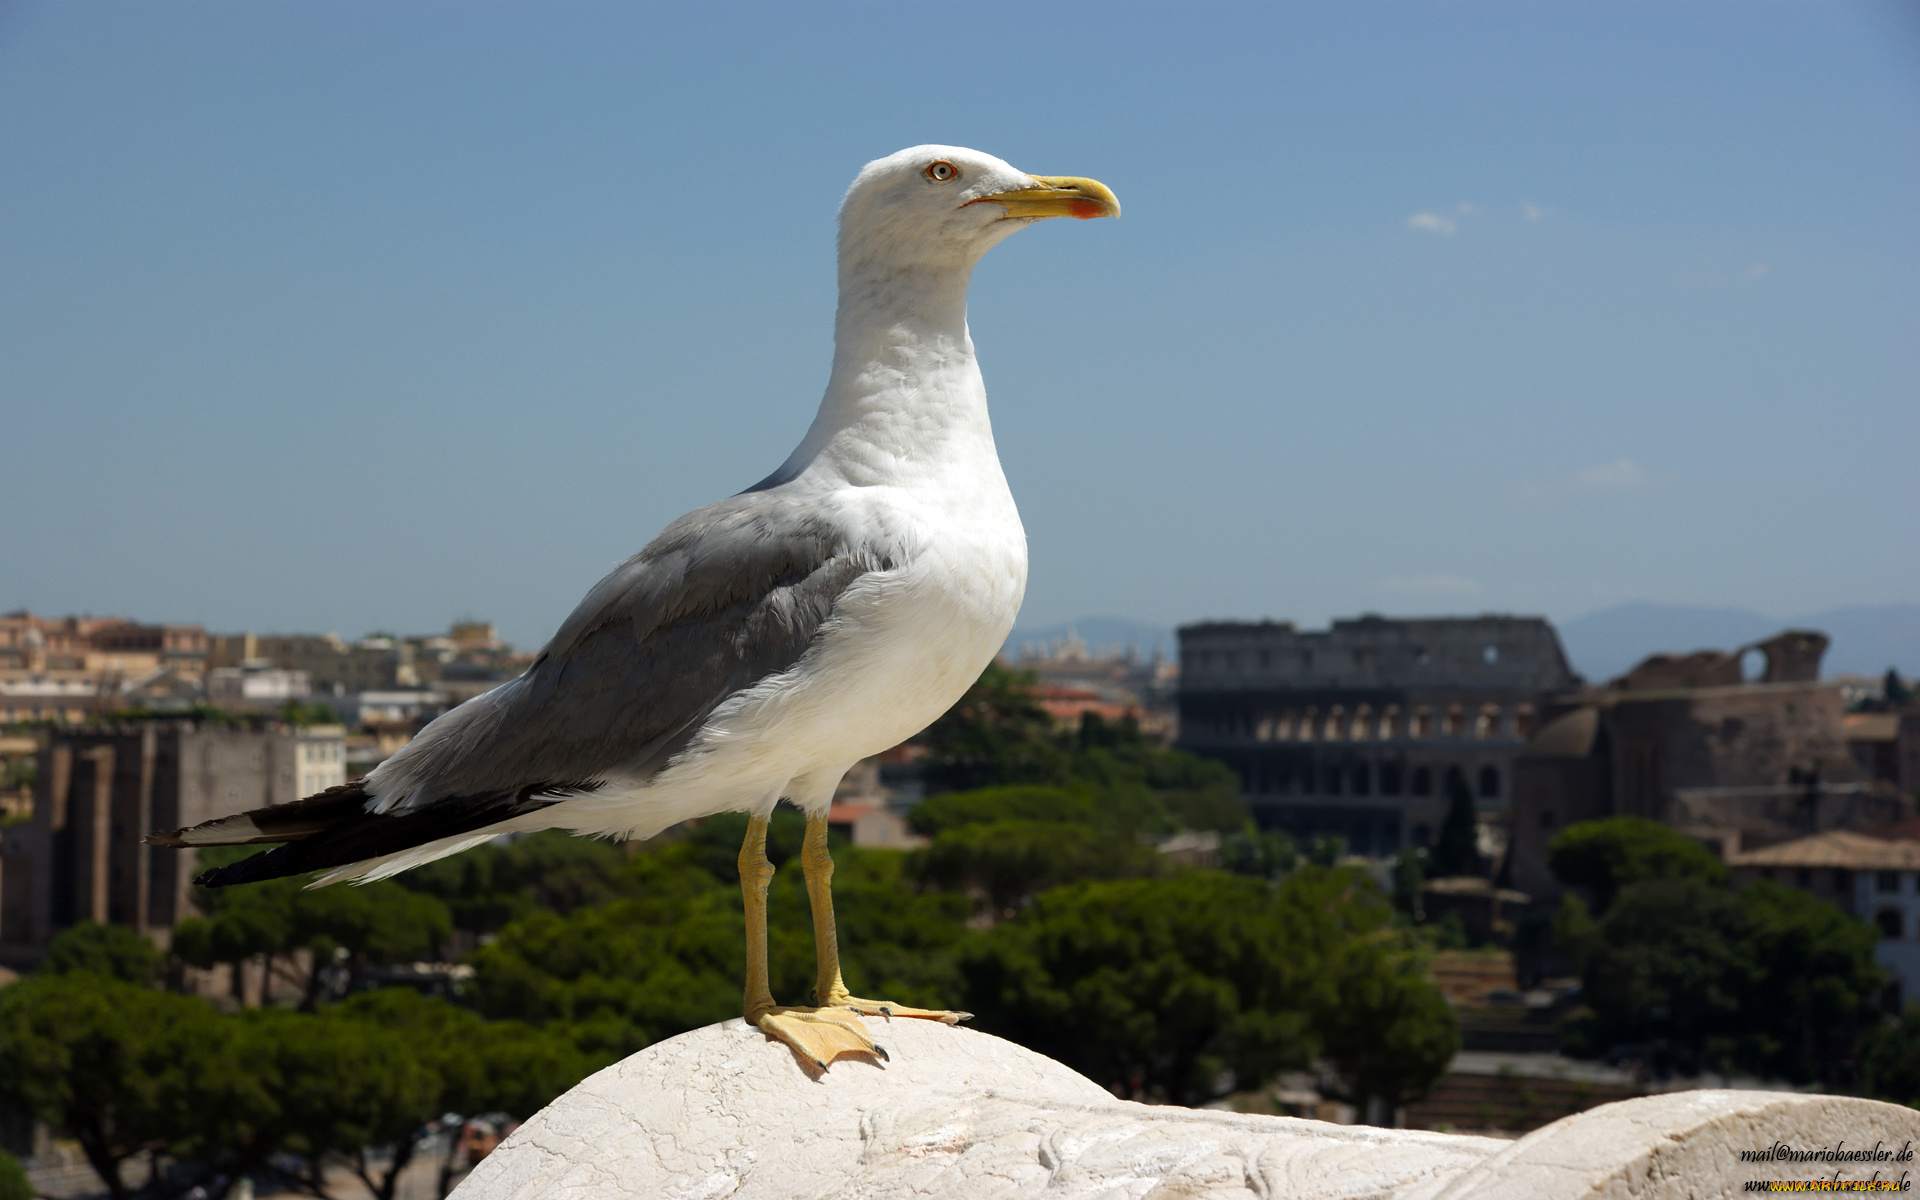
x,y
760,646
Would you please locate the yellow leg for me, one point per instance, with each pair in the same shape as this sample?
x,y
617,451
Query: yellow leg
x,y
818,1035
756,875
816,862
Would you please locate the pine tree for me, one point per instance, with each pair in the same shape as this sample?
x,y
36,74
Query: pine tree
x,y
1457,852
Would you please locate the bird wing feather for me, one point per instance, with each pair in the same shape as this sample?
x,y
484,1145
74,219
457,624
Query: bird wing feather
x,y
725,597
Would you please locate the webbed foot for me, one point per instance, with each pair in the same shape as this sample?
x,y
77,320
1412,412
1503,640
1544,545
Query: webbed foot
x,y
818,1035
889,1010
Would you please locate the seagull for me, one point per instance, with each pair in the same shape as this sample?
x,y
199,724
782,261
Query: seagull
x,y
759,646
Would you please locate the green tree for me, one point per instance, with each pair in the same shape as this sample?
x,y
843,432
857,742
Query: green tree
x,y
616,977
1122,806
713,844
14,1184
1768,980
1166,988
367,925
1261,853
997,733
1890,1060
478,1066
1386,1032
1000,735
1409,872
1005,844
1664,971
553,871
1810,993
307,712
111,950
1457,850
355,1083
275,1083
1897,695
1009,862
1606,855
1200,793
481,1065
1574,929
113,1064
1156,790
984,806
349,1087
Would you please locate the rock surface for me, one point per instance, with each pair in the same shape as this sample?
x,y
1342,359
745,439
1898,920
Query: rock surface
x,y
724,1113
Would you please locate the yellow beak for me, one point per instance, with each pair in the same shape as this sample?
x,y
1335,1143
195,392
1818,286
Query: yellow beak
x,y
1058,196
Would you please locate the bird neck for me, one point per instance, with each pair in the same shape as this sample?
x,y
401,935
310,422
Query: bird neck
x,y
905,403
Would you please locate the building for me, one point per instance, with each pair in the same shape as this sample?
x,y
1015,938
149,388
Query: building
x,y
873,826
73,668
30,643
1687,741
1886,747
385,710
1072,679
467,660
1358,730
1871,878
17,752
375,664
255,688
100,788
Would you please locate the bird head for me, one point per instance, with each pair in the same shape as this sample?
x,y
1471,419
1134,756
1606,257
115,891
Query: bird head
x,y
945,206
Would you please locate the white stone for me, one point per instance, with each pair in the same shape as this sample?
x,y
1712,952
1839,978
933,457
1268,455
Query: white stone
x,y
723,1112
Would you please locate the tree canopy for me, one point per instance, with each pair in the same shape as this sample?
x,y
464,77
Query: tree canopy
x,y
1693,976
1387,1034
666,959
1181,989
14,1184
1890,1060
1457,850
122,1068
1007,863
998,735
130,1070
115,951
1607,855
372,924
551,871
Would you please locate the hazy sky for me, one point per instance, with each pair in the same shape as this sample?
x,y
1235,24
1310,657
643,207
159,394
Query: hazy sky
x,y
345,316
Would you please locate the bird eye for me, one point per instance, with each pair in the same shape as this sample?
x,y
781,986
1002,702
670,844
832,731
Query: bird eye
x,y
942,171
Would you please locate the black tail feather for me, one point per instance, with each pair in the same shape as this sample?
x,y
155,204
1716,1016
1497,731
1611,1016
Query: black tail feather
x,y
367,836
333,829
274,823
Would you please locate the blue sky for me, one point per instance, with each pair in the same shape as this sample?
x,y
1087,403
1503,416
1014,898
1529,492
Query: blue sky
x,y
353,315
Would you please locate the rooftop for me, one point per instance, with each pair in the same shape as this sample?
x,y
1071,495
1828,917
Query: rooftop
x,y
1835,848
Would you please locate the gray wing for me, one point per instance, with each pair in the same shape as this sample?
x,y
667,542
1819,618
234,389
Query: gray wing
x,y
723,598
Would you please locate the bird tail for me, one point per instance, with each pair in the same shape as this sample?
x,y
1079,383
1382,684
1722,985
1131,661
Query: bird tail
x,y
333,831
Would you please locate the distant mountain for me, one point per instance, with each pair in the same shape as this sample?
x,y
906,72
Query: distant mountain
x,y
1867,639
1099,633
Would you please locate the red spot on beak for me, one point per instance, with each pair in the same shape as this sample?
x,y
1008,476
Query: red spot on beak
x,y
1086,210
